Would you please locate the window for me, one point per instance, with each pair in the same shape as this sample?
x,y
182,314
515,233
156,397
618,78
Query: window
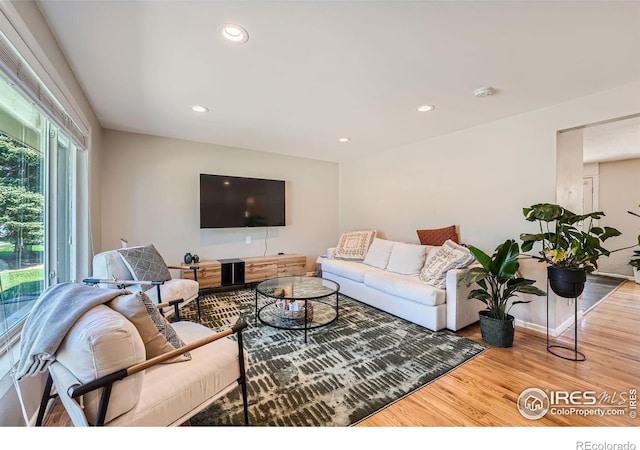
x,y
38,186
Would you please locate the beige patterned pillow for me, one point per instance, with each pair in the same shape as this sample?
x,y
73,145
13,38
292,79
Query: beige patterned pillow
x,y
354,245
157,334
449,256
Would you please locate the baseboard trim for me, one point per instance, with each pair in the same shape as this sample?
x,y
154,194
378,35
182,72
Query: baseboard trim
x,y
553,332
614,275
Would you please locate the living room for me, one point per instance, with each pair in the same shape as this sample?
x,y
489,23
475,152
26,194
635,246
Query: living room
x,y
477,172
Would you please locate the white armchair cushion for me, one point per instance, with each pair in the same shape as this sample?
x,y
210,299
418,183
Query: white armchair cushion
x,y
173,289
111,263
101,342
180,390
379,253
407,259
108,264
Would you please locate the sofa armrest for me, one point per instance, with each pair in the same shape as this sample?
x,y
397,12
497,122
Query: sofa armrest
x,y
331,252
461,311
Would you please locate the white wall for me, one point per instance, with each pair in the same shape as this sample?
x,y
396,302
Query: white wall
x,y
619,193
150,194
569,171
479,178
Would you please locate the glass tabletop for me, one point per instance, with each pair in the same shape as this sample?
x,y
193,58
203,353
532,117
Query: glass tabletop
x,y
298,288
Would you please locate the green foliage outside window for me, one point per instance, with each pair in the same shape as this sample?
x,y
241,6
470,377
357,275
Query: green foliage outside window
x,y
21,202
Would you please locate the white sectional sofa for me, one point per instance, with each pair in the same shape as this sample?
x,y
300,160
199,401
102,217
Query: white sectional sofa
x,y
392,275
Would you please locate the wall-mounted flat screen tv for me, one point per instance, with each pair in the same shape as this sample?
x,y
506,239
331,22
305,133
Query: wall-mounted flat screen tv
x,y
238,202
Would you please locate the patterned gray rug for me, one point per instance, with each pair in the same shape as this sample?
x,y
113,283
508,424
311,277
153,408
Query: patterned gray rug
x,y
346,371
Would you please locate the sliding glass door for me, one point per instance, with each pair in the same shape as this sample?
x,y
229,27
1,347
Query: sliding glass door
x,y
37,209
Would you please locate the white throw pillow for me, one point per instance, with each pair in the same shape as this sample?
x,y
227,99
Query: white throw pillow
x,y
431,252
379,253
449,256
407,259
353,245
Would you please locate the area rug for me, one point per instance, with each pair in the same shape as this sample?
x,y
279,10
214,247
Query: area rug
x,y
347,370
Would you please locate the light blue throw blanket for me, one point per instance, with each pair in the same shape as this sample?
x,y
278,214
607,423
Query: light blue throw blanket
x,y
51,318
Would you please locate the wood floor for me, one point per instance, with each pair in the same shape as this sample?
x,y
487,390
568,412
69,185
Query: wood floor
x,y
484,391
595,289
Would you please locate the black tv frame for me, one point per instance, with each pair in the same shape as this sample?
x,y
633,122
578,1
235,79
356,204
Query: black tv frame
x,y
241,202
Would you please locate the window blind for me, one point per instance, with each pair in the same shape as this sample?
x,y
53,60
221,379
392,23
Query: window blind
x,y
19,71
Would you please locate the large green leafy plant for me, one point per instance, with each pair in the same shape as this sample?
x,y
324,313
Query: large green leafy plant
x,y
568,240
498,279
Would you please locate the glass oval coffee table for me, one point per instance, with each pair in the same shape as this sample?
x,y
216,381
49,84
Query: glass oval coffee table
x,y
297,303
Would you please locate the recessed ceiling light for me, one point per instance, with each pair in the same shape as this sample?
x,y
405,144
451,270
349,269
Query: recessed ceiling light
x,y
233,33
200,108
345,139
425,108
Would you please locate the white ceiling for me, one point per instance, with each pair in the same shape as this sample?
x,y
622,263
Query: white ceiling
x,y
612,141
315,71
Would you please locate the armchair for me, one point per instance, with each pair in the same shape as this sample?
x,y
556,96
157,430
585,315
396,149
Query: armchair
x,y
108,371
142,268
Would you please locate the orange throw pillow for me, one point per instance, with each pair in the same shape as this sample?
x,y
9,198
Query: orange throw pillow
x,y
438,236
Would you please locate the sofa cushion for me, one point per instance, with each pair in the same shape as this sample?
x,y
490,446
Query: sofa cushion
x,y
379,253
438,236
353,245
351,270
449,256
407,259
155,337
99,343
145,264
405,286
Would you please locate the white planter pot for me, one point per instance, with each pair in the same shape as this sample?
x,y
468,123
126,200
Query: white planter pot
x,y
636,275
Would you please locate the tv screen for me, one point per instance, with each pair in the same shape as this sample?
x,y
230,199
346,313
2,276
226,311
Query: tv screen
x,y
235,202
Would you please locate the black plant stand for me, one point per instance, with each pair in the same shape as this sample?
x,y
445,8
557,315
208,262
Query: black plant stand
x,y
577,356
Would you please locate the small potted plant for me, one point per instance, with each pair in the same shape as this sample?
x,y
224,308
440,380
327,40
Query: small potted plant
x,y
571,245
498,282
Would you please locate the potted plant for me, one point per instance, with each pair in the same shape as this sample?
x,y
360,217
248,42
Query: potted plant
x,y
571,245
498,282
